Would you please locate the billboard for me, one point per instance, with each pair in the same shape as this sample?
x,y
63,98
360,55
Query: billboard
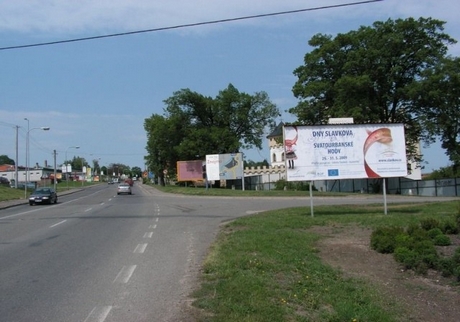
x,y
347,151
189,170
224,166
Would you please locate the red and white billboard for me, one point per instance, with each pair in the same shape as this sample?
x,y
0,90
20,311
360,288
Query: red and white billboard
x,y
351,151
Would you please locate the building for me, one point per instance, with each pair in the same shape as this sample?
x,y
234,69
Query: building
x,y
36,174
263,178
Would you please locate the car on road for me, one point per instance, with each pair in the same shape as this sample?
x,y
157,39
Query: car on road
x,y
43,195
4,181
124,188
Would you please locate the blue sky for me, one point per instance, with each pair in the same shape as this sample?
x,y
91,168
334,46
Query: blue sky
x,y
96,94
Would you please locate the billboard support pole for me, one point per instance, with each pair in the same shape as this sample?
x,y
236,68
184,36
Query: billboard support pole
x,y
385,197
242,171
311,198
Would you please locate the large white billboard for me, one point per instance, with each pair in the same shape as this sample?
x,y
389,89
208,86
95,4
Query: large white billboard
x,y
329,152
224,166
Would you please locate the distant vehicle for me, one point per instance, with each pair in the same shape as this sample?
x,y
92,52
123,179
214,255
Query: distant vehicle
x,y
43,195
4,181
110,181
129,181
124,188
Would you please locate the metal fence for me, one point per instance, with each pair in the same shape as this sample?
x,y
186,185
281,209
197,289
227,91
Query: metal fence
x,y
442,187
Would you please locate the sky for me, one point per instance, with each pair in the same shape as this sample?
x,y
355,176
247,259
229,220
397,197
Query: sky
x,y
96,94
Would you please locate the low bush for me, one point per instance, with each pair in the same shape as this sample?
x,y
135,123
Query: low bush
x,y
450,227
434,232
442,240
293,185
429,223
384,239
415,248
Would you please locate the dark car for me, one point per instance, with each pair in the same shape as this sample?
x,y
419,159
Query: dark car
x,y
43,195
4,181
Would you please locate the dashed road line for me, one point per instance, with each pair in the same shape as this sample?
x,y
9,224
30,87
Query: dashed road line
x,y
140,248
148,234
61,222
98,314
125,274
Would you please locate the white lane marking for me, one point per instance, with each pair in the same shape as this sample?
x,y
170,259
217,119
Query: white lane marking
x,y
152,226
61,222
89,209
156,220
98,314
140,248
102,203
148,234
125,274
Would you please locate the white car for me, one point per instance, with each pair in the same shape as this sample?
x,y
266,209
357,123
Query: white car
x,y
124,188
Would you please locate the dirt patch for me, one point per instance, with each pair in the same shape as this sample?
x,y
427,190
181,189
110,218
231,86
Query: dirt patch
x,y
429,298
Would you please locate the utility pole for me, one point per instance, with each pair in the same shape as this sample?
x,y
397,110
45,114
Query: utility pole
x,y
55,175
16,176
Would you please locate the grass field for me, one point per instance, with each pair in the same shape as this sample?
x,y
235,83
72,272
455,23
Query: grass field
x,y
266,267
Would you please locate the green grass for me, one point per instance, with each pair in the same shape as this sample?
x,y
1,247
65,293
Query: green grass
x,y
7,193
201,191
265,267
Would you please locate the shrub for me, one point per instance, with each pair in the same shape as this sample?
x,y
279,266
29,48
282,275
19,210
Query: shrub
x,y
432,233
429,223
406,257
446,266
384,239
450,226
412,227
442,240
293,185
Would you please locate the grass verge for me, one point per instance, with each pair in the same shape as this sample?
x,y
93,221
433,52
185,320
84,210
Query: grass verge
x,y
7,193
265,267
201,191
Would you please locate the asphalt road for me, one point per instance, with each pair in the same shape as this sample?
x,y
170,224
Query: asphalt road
x,y
97,256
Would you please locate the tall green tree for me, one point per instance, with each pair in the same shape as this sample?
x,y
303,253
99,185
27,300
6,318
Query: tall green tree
x,y
438,101
194,125
369,74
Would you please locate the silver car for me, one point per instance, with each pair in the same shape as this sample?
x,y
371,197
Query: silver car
x,y
124,188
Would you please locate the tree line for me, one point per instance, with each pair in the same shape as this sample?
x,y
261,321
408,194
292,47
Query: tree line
x,y
394,71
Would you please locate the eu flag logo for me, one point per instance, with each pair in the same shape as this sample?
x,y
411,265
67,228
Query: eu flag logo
x,y
333,172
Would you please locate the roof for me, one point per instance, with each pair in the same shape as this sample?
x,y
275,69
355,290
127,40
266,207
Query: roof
x,y
277,132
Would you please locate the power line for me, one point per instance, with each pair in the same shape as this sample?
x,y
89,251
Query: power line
x,y
190,25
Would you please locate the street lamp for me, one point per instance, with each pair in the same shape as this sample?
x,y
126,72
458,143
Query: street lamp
x,y
43,128
66,168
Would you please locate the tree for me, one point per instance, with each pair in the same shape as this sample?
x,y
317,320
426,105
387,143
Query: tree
x,y
136,172
369,74
4,159
251,163
194,125
438,101
118,169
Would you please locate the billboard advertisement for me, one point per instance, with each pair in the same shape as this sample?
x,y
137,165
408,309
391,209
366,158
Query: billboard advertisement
x,y
224,166
348,151
189,170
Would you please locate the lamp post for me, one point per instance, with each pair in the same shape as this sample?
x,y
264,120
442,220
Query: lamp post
x,y
66,168
43,128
